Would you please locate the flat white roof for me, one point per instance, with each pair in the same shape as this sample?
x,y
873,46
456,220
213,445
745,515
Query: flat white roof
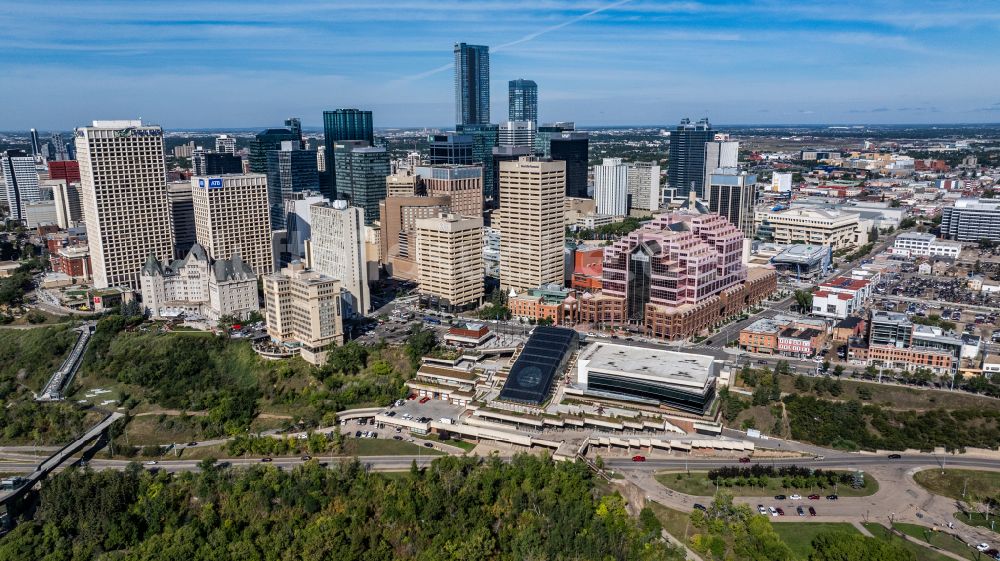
x,y
671,367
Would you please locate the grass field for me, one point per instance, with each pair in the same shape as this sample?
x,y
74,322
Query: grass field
x,y
922,553
901,397
467,446
385,447
698,484
675,522
799,535
941,540
952,482
979,519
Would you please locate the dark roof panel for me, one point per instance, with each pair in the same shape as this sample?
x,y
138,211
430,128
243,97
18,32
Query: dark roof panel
x,y
531,377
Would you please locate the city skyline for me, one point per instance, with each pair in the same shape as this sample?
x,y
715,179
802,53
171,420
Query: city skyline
x,y
657,62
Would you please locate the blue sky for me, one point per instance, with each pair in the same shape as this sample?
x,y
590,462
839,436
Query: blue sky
x,y
212,63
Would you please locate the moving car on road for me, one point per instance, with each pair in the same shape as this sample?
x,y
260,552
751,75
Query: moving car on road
x,y
638,458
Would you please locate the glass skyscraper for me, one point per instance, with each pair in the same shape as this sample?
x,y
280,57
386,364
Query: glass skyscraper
x,y
361,171
686,167
339,125
574,149
484,139
289,170
544,134
265,141
451,149
294,124
522,100
472,84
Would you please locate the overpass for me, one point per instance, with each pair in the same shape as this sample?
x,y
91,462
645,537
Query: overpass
x,y
52,462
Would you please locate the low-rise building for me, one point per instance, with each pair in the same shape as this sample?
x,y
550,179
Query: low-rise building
x,y
802,261
72,261
838,230
841,297
587,265
468,335
303,311
920,244
198,285
550,301
785,336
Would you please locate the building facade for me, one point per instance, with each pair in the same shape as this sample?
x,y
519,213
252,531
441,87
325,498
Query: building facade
x,y
20,180
719,154
398,239
231,218
971,220
340,125
450,148
734,195
574,149
124,194
522,100
686,168
265,141
472,84
450,260
645,193
290,170
336,249
463,184
839,230
199,285
303,311
611,187
484,139
517,133
361,171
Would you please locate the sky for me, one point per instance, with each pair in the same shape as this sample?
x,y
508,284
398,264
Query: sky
x,y
251,63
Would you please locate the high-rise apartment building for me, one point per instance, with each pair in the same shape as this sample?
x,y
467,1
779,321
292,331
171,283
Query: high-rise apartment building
x,y
545,133
361,171
264,142
450,260
472,84
182,228
231,218
337,250
289,170
225,144
531,223
464,184
686,166
20,180
574,149
611,187
734,195
522,100
303,311
644,188
69,209
340,125
484,140
450,148
398,239
517,133
719,154
124,194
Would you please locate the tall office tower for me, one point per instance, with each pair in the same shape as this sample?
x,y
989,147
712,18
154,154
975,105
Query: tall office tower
x,y
450,260
36,146
544,134
531,223
211,163
182,227
69,209
294,124
450,148
225,144
263,143
644,186
397,240
289,170
574,149
21,181
403,184
720,154
231,218
522,100
686,167
339,125
337,250
68,170
733,194
361,171
71,151
62,154
302,309
464,184
504,154
517,133
484,140
124,193
611,187
472,84
298,225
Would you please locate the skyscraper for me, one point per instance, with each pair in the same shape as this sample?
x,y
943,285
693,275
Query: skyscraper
x,y
124,194
544,134
289,170
472,84
294,124
574,149
62,154
212,163
517,133
36,147
522,100
450,148
361,171
733,195
531,223
686,167
231,218
21,181
464,184
182,226
337,250
450,260
265,141
338,125
611,187
225,144
644,186
719,154
69,209
504,154
484,140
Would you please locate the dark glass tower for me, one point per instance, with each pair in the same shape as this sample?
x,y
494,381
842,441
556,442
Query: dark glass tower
x,y
451,149
573,148
339,125
270,139
545,133
522,100
472,84
484,140
361,171
686,167
294,124
289,170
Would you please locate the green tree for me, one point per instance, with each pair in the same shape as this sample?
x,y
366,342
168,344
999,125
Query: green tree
x,y
841,546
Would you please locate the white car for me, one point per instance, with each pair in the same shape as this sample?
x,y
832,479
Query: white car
x,y
762,510
772,511
153,463
983,546
796,497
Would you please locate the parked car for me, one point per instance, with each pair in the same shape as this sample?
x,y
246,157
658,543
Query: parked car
x,y
265,459
762,510
801,511
772,510
813,497
894,456
796,497
424,399
779,497
638,458
744,460
700,507
832,497
812,511
428,445
306,458
781,512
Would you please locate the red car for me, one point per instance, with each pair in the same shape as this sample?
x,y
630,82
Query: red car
x,y
813,497
424,399
638,458
412,396
744,460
